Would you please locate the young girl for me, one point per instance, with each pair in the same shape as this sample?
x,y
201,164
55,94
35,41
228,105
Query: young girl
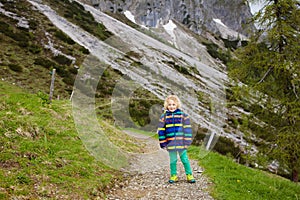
x,y
175,135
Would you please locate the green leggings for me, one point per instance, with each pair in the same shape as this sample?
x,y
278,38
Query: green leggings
x,y
184,159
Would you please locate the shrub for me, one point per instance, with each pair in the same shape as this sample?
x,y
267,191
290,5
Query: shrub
x,y
84,50
15,67
4,27
44,62
35,49
23,44
244,43
69,80
215,52
230,44
181,69
63,37
20,37
225,146
33,24
63,60
62,71
68,14
73,70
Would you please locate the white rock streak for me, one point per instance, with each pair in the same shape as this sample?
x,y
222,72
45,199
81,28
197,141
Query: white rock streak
x,y
22,21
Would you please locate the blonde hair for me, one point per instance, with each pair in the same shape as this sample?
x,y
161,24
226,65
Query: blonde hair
x,y
174,98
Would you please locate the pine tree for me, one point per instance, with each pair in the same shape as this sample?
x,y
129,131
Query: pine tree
x,y
270,64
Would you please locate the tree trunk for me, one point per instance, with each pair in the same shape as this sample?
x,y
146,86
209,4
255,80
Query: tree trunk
x,y
295,175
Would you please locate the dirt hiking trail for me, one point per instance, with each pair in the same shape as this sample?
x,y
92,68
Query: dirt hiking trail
x,y
148,174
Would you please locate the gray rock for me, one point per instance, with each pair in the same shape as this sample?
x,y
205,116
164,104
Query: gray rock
x,y
198,15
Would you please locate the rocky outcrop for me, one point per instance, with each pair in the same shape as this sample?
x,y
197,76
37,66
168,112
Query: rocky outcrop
x,y
198,15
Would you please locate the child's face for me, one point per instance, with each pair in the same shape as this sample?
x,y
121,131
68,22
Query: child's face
x,y
172,105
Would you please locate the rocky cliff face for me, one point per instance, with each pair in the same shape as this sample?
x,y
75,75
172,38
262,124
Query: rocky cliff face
x,y
198,15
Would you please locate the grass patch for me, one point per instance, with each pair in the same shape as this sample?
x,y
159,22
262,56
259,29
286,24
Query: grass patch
x,y
41,155
233,181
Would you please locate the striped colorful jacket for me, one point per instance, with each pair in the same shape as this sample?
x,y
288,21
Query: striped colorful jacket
x,y
174,130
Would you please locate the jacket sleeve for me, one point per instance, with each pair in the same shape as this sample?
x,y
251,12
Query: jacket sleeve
x,y
187,130
161,131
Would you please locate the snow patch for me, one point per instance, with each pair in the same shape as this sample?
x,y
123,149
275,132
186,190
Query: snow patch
x,y
130,16
169,27
218,21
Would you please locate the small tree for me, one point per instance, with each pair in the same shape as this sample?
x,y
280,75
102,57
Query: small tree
x,y
270,64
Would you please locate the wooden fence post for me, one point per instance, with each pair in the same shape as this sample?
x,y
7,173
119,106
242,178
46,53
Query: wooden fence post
x,y
52,85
